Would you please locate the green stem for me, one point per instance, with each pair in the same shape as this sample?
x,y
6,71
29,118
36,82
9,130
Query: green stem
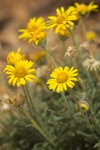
x,y
74,98
53,62
64,47
76,43
27,101
83,26
36,126
51,59
33,107
65,100
97,75
30,99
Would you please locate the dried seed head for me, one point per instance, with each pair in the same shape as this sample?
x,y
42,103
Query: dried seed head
x,y
16,100
4,106
84,45
91,64
70,53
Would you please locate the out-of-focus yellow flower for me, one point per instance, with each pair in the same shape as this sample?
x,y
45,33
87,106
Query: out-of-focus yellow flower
x,y
90,36
83,9
92,7
61,79
38,37
13,57
37,55
33,24
19,73
83,105
64,19
63,34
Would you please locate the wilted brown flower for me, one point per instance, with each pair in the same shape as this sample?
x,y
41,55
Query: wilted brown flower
x,y
91,64
4,106
84,45
70,53
16,100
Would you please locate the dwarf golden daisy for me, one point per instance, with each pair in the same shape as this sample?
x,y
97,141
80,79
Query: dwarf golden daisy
x,y
19,73
62,78
92,7
38,37
13,57
36,56
81,8
64,19
33,24
85,9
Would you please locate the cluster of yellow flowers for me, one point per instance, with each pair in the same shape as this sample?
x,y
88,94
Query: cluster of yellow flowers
x,y
18,69
63,21
35,31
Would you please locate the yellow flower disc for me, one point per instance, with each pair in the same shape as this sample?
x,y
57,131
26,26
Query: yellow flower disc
x,y
19,73
62,78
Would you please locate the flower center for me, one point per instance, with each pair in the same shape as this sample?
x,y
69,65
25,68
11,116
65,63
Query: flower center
x,y
62,77
20,72
31,27
60,19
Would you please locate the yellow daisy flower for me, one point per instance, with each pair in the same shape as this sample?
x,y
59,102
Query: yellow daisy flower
x,y
92,7
38,37
85,9
19,73
33,24
63,19
62,78
13,57
81,8
37,55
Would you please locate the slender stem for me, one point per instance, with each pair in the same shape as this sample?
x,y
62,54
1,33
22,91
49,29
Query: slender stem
x,y
83,26
74,98
87,118
65,100
31,102
36,126
76,43
97,75
33,108
52,60
28,104
64,47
